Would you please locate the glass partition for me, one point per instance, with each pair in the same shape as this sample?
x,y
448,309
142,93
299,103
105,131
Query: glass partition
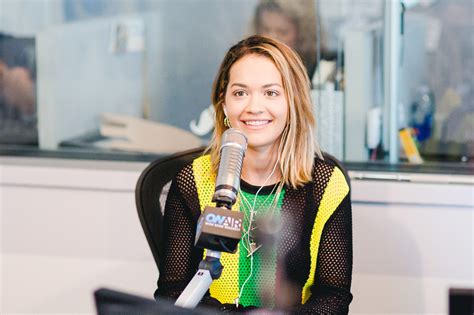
x,y
436,80
132,79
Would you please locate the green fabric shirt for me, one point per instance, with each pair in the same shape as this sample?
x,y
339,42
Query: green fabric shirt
x,y
257,271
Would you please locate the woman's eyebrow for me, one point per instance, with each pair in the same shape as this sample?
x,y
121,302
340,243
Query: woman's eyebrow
x,y
239,84
263,86
270,85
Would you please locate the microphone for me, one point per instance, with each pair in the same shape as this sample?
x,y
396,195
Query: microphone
x,y
232,151
218,228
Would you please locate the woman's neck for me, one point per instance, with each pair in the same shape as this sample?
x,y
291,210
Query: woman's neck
x,y
258,165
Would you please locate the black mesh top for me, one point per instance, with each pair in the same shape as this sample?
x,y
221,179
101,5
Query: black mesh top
x,y
314,247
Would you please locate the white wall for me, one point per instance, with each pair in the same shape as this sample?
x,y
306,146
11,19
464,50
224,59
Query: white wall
x,y
69,227
412,242
67,231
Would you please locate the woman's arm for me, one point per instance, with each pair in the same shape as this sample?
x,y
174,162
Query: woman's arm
x,y
330,293
180,259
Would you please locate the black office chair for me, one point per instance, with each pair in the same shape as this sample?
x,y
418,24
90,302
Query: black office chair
x,y
152,189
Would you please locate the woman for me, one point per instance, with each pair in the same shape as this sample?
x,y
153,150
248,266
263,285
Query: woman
x,y
262,90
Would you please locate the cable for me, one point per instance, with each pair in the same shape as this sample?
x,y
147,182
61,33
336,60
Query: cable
x,y
247,233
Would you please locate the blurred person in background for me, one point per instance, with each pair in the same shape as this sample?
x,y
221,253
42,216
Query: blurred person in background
x,y
294,23
17,91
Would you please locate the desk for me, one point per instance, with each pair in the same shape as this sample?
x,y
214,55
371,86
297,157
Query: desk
x,y
69,227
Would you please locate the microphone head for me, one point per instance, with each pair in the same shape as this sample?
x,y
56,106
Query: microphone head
x,y
232,151
234,136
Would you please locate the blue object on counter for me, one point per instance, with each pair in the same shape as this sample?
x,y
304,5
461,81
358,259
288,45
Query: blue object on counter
x,y
422,113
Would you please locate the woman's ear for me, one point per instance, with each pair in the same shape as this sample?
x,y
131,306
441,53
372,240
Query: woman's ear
x,y
225,110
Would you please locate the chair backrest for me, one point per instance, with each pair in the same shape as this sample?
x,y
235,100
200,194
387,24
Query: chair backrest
x,y
150,195
152,189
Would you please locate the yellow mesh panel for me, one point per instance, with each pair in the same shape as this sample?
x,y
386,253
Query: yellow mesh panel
x,y
336,190
205,180
225,289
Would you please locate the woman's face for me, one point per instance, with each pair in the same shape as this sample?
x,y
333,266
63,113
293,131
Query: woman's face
x,y
255,101
278,26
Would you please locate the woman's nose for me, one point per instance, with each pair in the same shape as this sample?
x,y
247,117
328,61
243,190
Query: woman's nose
x,y
254,105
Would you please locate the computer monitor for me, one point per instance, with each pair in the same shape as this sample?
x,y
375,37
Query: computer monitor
x,y
111,302
461,301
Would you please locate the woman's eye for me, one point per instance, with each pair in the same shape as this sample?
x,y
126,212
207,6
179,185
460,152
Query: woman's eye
x,y
239,93
271,93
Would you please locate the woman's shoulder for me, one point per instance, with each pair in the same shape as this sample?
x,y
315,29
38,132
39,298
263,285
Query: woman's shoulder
x,y
186,178
328,160
329,168
198,166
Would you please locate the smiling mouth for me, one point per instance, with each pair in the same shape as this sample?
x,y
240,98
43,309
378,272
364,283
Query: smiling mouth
x,y
256,122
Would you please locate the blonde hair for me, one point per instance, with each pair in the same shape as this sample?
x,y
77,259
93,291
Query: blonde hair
x,y
298,143
303,15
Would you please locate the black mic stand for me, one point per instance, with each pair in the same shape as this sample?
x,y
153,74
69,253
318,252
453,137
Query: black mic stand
x,y
219,229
